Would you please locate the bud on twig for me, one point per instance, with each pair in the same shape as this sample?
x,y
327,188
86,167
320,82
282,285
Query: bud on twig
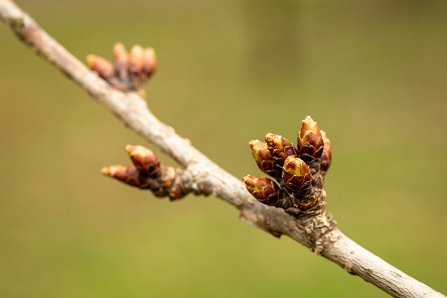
x,y
296,176
299,172
280,147
126,174
129,71
263,189
136,60
148,173
144,160
310,143
149,62
264,158
101,66
121,60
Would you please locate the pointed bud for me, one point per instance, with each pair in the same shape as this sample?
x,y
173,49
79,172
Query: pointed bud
x,y
126,174
263,189
280,148
296,176
310,143
149,62
101,66
326,158
144,160
136,60
264,158
121,60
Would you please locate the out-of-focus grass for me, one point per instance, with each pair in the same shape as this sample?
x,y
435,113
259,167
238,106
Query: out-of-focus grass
x,y
373,73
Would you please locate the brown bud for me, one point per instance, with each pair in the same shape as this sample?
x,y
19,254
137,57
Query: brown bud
x,y
149,62
280,147
136,60
310,143
165,182
144,160
264,158
126,174
263,189
121,60
326,157
178,189
296,176
101,66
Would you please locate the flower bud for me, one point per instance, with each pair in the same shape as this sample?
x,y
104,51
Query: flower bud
x,y
136,60
121,60
126,174
101,66
264,158
326,157
149,62
280,148
263,189
144,160
165,182
310,143
296,176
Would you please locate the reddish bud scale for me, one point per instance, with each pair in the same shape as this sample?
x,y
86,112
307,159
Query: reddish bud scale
x,y
264,158
144,160
296,177
306,202
310,143
263,189
280,148
127,174
101,66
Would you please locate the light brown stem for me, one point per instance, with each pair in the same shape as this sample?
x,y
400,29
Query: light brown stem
x,y
317,233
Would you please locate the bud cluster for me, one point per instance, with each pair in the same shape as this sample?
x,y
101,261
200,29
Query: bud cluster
x,y
148,173
129,71
299,171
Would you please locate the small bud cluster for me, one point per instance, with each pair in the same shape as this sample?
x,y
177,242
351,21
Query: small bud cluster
x,y
299,171
149,173
129,71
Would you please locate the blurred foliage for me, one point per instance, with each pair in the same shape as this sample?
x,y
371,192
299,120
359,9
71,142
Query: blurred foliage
x,y
373,73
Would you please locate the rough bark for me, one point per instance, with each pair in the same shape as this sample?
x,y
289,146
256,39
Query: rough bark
x,y
317,232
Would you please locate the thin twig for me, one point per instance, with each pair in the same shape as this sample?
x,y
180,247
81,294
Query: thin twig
x,y
208,178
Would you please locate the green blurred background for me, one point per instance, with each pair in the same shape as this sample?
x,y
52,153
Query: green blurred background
x,y
372,73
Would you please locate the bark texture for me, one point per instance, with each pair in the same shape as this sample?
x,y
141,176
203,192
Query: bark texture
x,y
316,232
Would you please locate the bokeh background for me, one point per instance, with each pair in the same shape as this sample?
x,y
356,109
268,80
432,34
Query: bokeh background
x,y
372,73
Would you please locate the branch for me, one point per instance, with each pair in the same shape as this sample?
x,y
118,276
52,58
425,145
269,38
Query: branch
x,y
317,232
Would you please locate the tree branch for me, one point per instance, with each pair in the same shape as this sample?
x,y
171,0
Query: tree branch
x,y
317,233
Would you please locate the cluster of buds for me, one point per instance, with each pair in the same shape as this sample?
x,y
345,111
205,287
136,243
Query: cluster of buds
x,y
148,173
299,171
129,71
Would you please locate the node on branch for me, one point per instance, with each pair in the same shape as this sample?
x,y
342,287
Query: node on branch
x,y
299,171
129,71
